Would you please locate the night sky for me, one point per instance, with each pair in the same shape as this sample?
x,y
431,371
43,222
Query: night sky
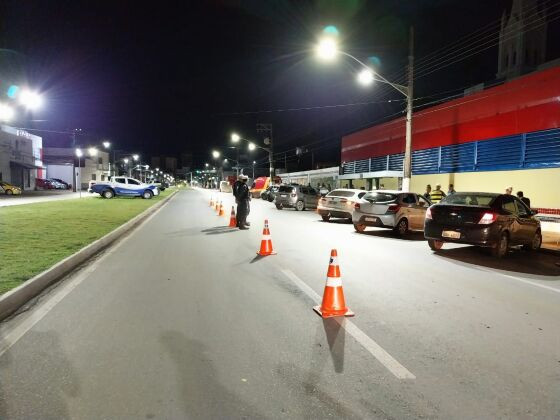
x,y
168,77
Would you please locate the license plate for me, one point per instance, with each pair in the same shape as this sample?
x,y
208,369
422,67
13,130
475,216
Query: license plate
x,y
371,219
283,195
451,234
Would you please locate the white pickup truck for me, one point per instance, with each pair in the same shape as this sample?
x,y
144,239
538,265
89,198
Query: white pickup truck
x,y
124,186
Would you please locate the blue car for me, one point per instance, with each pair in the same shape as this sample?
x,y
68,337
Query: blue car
x,y
124,186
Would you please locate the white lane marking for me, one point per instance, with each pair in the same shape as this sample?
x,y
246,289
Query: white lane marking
x,y
370,345
13,335
522,280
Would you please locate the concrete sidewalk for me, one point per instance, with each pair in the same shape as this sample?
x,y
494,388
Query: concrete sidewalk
x,y
31,197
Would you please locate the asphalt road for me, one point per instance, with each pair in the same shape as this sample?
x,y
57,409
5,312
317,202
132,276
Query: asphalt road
x,y
180,319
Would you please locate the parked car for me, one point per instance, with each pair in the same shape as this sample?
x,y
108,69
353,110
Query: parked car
x,y
298,197
57,185
397,210
495,221
64,184
339,203
9,189
44,184
124,186
270,193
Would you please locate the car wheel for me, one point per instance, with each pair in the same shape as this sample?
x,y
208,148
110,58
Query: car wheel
x,y
300,206
147,194
108,194
500,249
325,217
360,227
279,206
9,192
402,227
271,199
435,245
536,243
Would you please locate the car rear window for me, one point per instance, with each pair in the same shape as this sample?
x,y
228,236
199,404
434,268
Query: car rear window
x,y
340,193
380,197
468,199
285,189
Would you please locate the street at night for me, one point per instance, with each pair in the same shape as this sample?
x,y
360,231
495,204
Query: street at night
x,y
201,327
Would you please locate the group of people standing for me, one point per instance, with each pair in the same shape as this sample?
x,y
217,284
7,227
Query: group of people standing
x,y
435,196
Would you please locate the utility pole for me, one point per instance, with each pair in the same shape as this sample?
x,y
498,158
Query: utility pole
x,y
266,129
407,165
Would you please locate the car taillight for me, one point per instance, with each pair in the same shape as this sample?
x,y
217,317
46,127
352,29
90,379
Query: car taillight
x,y
293,195
357,205
429,214
488,218
393,208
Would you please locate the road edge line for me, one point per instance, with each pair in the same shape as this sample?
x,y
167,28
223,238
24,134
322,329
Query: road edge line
x,y
12,300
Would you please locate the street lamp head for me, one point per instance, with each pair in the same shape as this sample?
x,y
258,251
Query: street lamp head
x,y
125,160
235,137
106,144
6,112
252,146
225,160
327,49
365,77
215,154
254,162
31,100
206,165
79,153
92,151
135,157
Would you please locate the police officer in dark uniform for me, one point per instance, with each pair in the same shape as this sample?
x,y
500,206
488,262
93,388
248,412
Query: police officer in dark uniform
x,y
243,197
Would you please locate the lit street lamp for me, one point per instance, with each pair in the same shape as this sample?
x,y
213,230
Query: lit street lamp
x,y
252,146
29,99
327,50
79,154
6,112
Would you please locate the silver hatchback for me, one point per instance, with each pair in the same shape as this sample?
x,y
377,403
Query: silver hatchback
x,y
397,210
298,197
339,203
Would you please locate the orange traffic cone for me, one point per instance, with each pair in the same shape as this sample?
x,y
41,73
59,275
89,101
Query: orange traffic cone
x,y
211,201
221,210
266,242
217,207
333,297
232,219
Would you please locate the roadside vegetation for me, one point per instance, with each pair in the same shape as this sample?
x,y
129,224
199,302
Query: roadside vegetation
x,y
36,236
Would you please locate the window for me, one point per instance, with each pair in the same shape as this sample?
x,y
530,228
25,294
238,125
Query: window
x,y
93,177
341,193
508,204
522,209
360,195
423,202
304,190
120,180
133,182
102,177
469,199
379,197
408,199
312,191
514,59
285,189
0,176
100,161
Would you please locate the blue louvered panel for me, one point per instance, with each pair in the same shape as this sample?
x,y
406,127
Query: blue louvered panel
x,y
457,157
348,168
500,153
361,166
396,162
425,161
378,164
542,149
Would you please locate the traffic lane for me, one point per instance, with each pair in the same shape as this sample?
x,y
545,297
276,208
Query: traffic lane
x,y
192,329
440,317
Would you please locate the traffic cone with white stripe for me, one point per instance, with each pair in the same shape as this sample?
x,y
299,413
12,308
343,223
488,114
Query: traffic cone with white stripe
x,y
221,211
217,207
333,297
232,219
211,201
266,242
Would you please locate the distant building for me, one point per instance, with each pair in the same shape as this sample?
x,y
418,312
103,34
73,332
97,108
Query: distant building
x,y
164,163
62,163
522,42
20,157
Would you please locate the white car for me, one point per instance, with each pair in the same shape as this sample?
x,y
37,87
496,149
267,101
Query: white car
x,y
124,186
339,203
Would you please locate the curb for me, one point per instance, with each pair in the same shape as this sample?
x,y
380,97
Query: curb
x,y
11,301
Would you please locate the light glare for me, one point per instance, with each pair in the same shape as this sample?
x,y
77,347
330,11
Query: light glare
x,y
6,112
327,49
31,100
365,77
252,146
216,154
235,137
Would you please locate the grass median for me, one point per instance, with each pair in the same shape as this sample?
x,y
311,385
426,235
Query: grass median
x,y
34,237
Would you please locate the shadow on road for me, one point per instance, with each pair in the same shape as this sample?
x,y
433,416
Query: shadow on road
x,y
218,230
389,234
336,336
337,221
201,393
256,259
519,261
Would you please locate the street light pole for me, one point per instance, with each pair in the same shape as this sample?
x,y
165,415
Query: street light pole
x,y
407,165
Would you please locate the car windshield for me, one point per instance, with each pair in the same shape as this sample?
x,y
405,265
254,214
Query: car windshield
x,y
285,189
380,197
340,193
468,199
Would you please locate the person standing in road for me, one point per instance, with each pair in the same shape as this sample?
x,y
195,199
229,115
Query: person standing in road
x,y
509,190
525,200
236,186
428,191
243,197
451,190
437,195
